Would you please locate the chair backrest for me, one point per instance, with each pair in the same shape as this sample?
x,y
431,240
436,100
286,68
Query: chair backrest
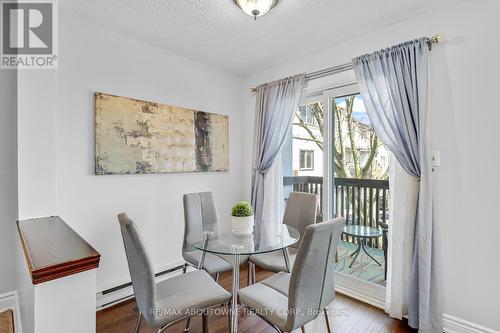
x,y
329,285
311,284
300,211
199,210
139,265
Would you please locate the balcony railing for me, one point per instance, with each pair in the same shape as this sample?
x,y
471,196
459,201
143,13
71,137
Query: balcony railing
x,y
360,201
308,184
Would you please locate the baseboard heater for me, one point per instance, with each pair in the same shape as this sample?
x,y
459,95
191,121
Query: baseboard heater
x,y
121,293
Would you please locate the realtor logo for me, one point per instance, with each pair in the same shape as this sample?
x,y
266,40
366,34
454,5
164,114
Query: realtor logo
x,y
29,34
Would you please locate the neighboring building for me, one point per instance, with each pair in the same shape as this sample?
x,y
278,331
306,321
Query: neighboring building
x,y
380,164
307,156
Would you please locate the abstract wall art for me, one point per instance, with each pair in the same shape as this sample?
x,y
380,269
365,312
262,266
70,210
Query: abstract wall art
x,y
137,137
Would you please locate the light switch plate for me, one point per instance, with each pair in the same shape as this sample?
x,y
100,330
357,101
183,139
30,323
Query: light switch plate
x,y
436,158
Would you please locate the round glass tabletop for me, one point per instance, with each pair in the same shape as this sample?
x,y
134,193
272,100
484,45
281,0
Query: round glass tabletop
x,y
218,238
362,231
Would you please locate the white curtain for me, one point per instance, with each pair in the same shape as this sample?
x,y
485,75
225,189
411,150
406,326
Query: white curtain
x,y
275,107
273,193
394,84
403,192
274,202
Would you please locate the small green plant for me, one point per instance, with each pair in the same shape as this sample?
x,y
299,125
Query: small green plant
x,y
241,209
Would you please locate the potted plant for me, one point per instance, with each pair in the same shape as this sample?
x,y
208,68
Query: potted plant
x,y
242,218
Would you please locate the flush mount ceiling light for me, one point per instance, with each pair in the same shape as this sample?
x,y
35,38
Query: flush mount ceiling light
x,y
256,8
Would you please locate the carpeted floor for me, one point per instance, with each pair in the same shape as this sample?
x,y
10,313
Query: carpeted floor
x,y
364,267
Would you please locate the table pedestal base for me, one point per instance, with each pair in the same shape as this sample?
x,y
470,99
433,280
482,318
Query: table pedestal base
x,y
361,245
236,288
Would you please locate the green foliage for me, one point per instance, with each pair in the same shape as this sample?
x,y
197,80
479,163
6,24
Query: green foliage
x,y
241,209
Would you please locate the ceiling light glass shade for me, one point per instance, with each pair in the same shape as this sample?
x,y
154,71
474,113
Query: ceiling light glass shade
x,y
256,8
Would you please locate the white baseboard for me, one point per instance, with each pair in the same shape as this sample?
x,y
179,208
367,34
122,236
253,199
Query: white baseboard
x,y
107,299
453,324
375,295
10,300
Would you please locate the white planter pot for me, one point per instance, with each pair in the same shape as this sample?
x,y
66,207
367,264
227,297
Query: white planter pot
x,y
242,225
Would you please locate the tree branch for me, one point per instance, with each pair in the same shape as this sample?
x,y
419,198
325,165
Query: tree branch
x,y
340,153
350,130
373,152
311,134
318,115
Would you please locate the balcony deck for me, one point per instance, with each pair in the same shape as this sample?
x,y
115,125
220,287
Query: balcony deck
x,y
362,202
363,268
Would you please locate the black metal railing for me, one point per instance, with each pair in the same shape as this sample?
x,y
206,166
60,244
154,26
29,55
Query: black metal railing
x,y
360,201
308,184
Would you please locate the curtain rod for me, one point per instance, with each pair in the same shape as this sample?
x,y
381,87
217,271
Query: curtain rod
x,y
345,67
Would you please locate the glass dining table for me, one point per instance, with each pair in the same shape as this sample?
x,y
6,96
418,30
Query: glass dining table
x,y
362,233
218,238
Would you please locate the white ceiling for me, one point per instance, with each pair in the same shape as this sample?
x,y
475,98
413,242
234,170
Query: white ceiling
x,y
219,33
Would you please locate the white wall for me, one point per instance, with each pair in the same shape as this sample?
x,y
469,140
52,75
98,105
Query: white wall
x,y
37,159
94,60
66,304
56,143
8,180
56,140
465,118
36,169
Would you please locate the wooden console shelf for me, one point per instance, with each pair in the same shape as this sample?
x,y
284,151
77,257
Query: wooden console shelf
x,y
54,250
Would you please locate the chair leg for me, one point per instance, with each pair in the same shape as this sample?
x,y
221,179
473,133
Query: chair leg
x,y
254,280
280,331
138,322
385,262
187,324
204,323
302,329
184,269
217,277
161,329
249,273
327,321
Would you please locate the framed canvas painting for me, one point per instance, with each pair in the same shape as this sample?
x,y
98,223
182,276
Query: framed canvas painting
x,y
139,137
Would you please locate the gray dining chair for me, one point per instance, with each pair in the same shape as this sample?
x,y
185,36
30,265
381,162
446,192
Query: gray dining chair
x,y
169,301
288,301
299,213
200,210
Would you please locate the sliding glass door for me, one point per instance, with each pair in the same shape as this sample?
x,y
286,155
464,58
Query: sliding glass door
x,y
303,156
333,151
358,191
